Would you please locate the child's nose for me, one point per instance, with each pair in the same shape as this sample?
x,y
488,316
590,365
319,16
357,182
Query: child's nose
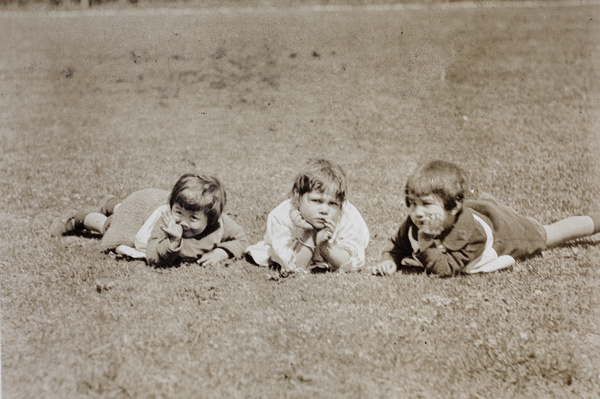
x,y
419,210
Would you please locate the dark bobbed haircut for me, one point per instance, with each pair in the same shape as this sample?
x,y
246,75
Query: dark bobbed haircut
x,y
444,179
199,193
323,176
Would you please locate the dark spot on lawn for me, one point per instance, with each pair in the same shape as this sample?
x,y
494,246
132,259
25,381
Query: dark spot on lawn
x,y
218,85
68,73
135,57
219,53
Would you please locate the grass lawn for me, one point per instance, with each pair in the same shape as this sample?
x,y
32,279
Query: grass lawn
x,y
93,104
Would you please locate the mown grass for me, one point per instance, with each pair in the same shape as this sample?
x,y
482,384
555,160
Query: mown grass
x,y
94,105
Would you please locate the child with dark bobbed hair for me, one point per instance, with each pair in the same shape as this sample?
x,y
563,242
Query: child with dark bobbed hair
x,y
447,234
316,228
185,224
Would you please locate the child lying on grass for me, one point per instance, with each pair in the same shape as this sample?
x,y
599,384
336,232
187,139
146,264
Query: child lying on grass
x,y
317,228
186,224
447,235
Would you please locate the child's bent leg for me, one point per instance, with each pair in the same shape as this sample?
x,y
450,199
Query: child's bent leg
x,y
78,221
95,222
571,228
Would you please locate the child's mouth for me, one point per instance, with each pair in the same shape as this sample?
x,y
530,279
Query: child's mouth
x,y
426,226
319,221
420,223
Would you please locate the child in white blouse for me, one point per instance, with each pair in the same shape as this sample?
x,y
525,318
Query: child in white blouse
x,y
317,228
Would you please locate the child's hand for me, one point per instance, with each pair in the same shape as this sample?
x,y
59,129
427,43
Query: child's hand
x,y
433,225
213,257
326,233
424,240
385,268
172,229
299,221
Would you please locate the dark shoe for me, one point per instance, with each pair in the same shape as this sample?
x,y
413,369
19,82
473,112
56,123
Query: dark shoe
x,y
63,225
108,205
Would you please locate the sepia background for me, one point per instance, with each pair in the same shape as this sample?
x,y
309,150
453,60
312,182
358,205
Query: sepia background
x,y
122,96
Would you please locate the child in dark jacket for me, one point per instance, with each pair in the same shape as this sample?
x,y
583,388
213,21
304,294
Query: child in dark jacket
x,y
448,235
165,227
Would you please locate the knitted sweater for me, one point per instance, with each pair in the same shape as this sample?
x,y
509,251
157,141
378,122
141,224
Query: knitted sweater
x,y
130,216
133,212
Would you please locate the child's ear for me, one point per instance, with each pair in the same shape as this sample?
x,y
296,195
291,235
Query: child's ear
x,y
457,208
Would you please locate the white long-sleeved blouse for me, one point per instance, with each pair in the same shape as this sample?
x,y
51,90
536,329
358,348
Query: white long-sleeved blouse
x,y
351,234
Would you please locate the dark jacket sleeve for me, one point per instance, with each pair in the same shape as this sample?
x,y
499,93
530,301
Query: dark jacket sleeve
x,y
439,261
234,240
452,254
401,244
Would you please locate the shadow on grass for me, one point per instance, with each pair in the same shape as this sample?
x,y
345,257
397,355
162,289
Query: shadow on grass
x,y
411,270
83,234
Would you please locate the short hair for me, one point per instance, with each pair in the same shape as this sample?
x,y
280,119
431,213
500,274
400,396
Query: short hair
x,y
323,176
199,193
444,179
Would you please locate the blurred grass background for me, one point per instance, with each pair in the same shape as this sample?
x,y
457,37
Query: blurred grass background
x,y
95,104
123,4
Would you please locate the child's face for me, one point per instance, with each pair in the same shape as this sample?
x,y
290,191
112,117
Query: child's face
x,y
429,214
316,207
192,223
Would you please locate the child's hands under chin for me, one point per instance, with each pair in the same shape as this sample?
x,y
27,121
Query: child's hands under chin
x,y
424,239
299,221
213,257
326,233
171,227
434,225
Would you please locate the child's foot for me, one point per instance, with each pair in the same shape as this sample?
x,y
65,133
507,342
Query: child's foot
x,y
63,225
108,205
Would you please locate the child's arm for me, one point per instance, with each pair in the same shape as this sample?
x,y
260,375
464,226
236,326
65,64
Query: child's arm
x,y
234,241
165,241
347,251
292,247
435,257
386,267
232,245
443,261
304,248
335,256
213,257
391,259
